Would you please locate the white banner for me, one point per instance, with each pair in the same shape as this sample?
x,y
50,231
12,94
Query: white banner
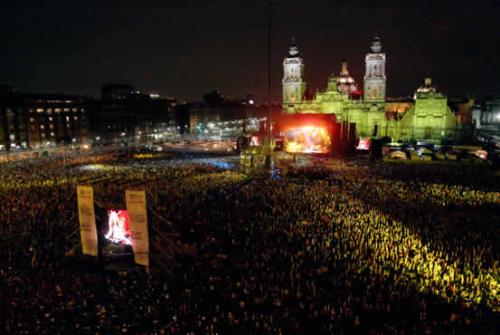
x,y
86,216
136,207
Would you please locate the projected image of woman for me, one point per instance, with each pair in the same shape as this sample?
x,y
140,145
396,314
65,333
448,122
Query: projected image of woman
x,y
117,228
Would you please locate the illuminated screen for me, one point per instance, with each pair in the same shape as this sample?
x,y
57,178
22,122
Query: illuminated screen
x,y
364,144
307,139
118,227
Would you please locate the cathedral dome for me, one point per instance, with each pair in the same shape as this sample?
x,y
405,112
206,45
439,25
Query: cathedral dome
x,y
428,89
427,86
346,83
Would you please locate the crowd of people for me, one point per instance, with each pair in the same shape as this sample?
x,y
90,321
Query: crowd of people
x,y
336,247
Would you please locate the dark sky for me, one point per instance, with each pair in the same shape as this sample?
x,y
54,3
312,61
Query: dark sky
x,y
187,47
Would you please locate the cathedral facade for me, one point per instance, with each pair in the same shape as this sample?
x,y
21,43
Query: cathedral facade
x,y
427,118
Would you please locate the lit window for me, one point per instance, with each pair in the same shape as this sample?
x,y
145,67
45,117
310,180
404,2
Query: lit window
x,y
39,110
32,119
42,126
52,134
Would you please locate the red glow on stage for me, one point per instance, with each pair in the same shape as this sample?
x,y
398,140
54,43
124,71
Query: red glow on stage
x,y
118,227
307,133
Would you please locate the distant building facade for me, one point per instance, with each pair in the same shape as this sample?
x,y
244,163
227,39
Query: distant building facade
x,y
123,115
487,115
486,120
40,120
117,91
226,119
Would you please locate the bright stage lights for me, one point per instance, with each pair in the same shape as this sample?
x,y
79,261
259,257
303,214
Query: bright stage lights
x,y
307,139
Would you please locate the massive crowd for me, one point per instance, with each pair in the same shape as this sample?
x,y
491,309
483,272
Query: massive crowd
x,y
338,247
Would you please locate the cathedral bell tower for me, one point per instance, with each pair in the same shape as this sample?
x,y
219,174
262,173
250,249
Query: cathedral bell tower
x,y
375,78
293,70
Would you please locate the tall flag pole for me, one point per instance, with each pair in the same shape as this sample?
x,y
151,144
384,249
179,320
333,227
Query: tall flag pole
x,y
269,83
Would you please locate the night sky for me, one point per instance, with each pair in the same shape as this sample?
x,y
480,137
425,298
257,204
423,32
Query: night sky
x,y
185,48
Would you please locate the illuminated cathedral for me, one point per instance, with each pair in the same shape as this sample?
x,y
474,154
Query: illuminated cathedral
x,y
427,118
